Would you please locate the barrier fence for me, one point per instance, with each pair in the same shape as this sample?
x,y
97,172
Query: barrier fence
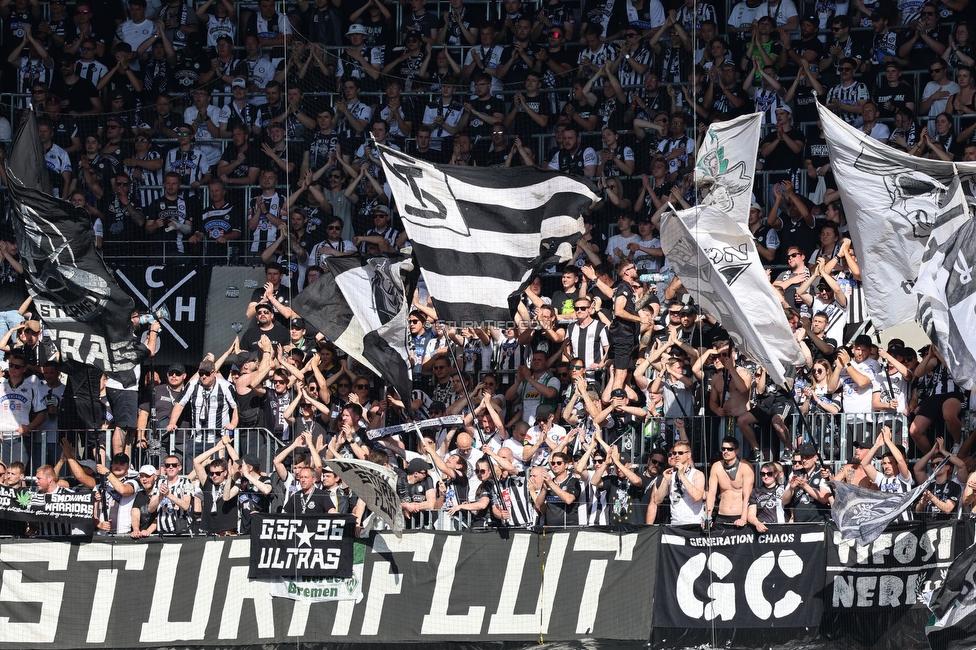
x,y
794,585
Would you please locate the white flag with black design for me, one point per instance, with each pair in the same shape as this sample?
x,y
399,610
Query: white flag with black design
x,y
727,165
895,204
374,484
480,234
719,265
946,294
361,305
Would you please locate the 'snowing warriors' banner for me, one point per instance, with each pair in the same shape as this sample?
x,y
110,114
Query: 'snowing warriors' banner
x,y
718,264
21,505
727,165
74,293
480,234
946,297
314,547
895,204
375,289
373,484
361,306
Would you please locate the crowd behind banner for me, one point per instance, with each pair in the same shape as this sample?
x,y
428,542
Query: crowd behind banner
x,y
236,133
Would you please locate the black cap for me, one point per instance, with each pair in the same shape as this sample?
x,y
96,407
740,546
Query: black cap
x,y
297,323
178,367
863,339
417,465
811,19
861,445
807,449
251,459
437,406
121,458
618,392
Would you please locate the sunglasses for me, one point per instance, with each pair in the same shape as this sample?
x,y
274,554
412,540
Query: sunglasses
x,y
16,366
123,183
207,374
171,464
557,463
279,381
677,453
766,474
439,367
174,373
577,367
728,448
263,311
182,134
792,255
674,313
934,70
335,176
362,386
141,140
216,473
414,320
845,68
797,462
581,307
481,472
655,462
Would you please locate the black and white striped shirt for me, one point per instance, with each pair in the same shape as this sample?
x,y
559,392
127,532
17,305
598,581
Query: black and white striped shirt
x,y
588,342
516,499
211,407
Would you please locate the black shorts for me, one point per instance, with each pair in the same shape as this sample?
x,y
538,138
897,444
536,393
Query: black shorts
x,y
624,354
727,520
125,407
778,404
931,407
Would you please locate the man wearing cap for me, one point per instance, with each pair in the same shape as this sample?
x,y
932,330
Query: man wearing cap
x,y
853,472
266,326
298,339
143,520
416,492
118,492
766,238
27,336
807,493
18,400
382,234
359,61
251,486
213,408
830,299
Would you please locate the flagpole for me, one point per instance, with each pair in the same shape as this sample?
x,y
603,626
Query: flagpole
x,y
474,420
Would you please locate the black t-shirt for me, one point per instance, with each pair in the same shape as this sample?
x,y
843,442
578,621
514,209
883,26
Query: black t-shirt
x,y
559,513
619,327
165,398
624,498
299,503
218,515
277,334
141,504
251,501
805,507
782,158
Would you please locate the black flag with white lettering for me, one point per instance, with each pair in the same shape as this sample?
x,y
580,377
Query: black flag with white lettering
x,y
318,546
361,305
74,293
481,234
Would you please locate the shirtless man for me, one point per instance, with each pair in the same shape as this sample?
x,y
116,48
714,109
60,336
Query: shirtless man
x,y
735,480
853,472
729,396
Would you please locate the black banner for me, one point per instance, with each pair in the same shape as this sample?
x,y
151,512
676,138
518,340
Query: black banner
x,y
76,508
183,289
302,546
738,578
906,560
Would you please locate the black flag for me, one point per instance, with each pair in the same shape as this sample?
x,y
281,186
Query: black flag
x,y
75,294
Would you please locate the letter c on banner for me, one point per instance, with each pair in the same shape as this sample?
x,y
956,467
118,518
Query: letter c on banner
x,y
150,270
791,565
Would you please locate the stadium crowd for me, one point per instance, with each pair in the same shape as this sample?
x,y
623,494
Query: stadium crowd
x,y
238,133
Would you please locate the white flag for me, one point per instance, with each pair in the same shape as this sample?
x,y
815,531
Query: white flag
x,y
895,203
727,165
718,264
374,484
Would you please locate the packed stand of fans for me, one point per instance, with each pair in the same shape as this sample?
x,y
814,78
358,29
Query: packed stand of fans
x,y
186,132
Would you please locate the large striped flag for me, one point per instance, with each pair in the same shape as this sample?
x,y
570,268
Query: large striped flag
x,y
727,164
480,234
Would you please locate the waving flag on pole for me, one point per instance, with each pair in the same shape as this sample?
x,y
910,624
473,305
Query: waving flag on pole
x,y
727,165
74,293
719,265
480,234
896,205
362,305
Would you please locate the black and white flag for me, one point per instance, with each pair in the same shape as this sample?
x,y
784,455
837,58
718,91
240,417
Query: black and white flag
x,y
375,485
896,206
953,626
946,296
74,293
726,165
480,234
717,261
361,305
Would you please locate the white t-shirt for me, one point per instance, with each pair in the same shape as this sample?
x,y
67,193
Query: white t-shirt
x,y
858,399
619,241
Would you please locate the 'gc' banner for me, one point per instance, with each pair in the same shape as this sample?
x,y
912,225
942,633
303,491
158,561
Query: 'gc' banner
x,y
302,546
736,577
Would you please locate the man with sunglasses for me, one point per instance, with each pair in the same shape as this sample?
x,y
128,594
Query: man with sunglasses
x,y
936,94
841,46
218,515
212,404
165,395
683,486
807,493
848,97
788,281
654,513
172,499
829,299
925,44
732,481
556,498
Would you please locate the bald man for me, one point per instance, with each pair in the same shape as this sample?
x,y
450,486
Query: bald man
x,y
467,452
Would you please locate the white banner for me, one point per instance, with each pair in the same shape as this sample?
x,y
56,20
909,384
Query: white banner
x,y
320,590
719,266
895,204
727,165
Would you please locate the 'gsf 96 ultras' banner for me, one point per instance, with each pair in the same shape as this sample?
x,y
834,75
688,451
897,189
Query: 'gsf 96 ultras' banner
x,y
288,546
